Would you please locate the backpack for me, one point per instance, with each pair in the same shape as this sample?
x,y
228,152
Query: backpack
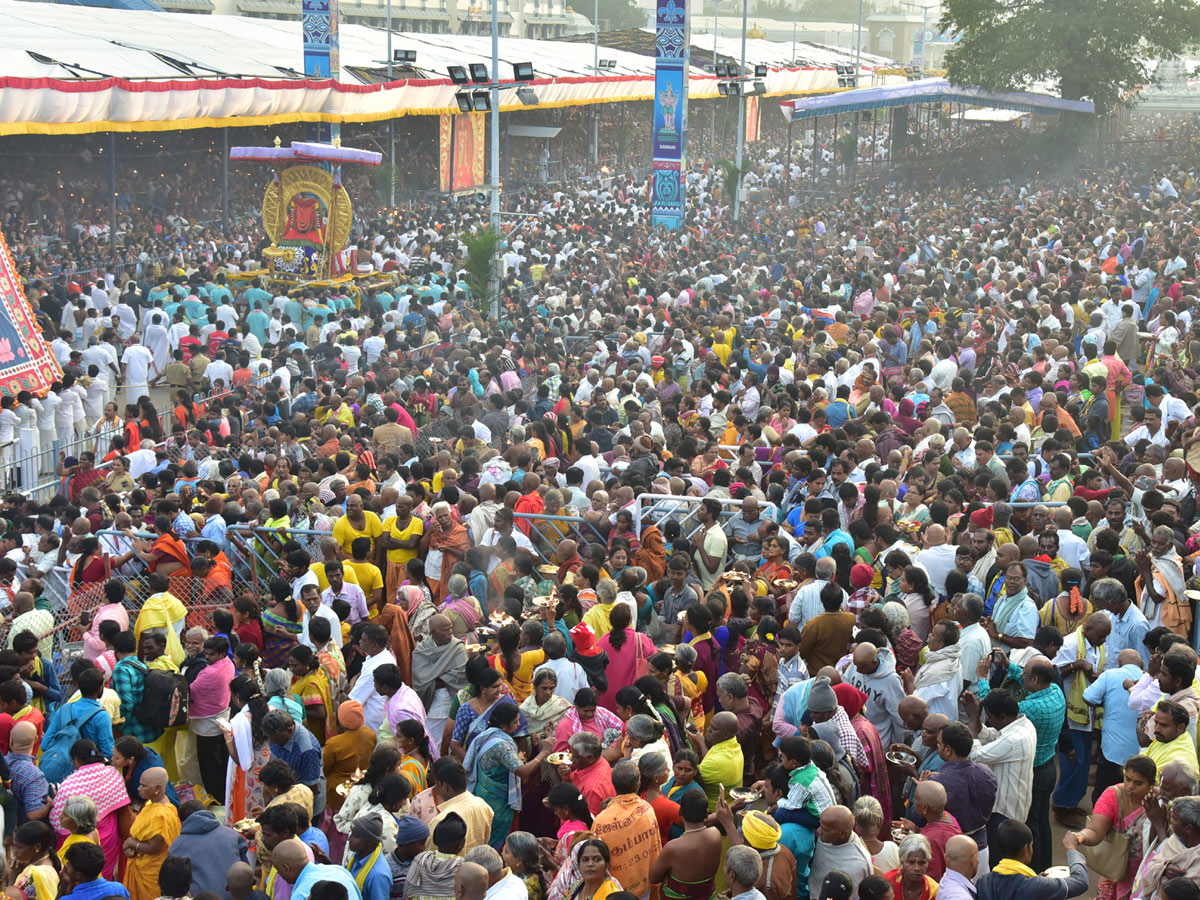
x,y
164,702
55,762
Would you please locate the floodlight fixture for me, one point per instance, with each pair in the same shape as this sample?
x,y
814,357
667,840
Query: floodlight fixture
x,y
458,74
479,73
523,71
482,101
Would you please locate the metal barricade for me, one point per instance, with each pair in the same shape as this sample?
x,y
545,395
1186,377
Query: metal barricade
x,y
663,507
545,532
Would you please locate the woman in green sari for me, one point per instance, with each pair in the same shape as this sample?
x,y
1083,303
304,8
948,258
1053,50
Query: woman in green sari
x,y
495,771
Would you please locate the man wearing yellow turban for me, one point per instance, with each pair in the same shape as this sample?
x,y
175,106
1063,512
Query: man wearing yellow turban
x,y
779,877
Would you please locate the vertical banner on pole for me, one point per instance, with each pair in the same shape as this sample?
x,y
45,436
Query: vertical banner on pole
x,y
321,56
752,120
671,60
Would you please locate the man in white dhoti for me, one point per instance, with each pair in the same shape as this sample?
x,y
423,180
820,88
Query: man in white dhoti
x,y
138,362
156,342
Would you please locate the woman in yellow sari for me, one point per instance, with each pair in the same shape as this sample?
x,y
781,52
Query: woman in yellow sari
x,y
418,754
33,850
689,682
165,613
310,685
155,827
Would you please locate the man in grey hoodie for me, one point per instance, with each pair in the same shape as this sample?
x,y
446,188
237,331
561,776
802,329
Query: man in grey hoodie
x,y
873,671
211,846
1042,578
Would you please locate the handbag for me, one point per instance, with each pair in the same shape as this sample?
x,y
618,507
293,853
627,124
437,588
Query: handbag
x,y
1110,858
640,665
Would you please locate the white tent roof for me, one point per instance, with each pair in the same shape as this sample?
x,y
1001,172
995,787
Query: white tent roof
x,y
91,42
73,69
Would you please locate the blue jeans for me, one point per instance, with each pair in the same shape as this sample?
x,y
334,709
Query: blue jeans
x,y
1073,776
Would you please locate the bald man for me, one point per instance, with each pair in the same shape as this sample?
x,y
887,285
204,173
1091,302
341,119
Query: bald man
x,y
937,558
939,827
838,849
439,667
470,882
291,864
962,865
29,785
721,758
873,671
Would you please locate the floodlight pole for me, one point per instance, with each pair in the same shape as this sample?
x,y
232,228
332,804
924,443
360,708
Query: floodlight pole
x,y
596,72
494,285
391,122
741,135
716,12
857,68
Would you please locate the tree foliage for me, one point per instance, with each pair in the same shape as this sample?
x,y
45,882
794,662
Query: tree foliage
x,y
731,175
1094,50
481,251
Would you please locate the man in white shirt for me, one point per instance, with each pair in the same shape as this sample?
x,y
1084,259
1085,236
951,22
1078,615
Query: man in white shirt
x,y
973,641
1071,547
1006,746
142,460
373,643
219,370
139,369
937,558
310,599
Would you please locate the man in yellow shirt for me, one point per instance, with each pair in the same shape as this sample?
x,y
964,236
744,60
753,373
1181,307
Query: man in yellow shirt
x,y
368,576
721,761
1171,739
357,522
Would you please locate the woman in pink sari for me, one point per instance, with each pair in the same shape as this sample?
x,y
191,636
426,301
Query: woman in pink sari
x,y
105,786
852,700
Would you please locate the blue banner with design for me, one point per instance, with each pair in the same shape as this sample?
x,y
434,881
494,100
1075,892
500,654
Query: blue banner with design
x,y
671,60
319,25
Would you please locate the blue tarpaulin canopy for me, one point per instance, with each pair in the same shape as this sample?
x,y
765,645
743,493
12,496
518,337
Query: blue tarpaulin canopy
x,y
928,90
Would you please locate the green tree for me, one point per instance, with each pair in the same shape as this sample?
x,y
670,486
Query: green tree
x,y
481,253
1094,50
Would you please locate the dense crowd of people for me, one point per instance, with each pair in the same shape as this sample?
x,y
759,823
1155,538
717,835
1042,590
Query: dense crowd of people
x,y
843,552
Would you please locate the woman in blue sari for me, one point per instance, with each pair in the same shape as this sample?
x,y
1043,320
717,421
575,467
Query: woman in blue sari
x,y
487,691
495,771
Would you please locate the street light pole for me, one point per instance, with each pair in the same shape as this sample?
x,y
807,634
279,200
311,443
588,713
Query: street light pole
x,y
596,72
391,122
716,12
857,69
741,135
924,8
494,286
